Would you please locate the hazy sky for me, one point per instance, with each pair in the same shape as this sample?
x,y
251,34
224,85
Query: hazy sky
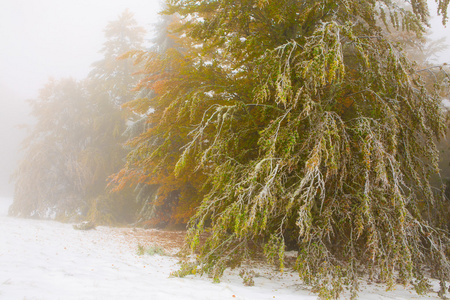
x,y
60,38
40,39
438,31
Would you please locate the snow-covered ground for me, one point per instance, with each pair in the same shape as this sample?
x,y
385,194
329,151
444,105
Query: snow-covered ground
x,y
50,260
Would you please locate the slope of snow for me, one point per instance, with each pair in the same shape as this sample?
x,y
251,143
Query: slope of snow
x,y
4,205
50,260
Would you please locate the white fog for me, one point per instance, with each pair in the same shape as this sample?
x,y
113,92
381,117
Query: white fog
x,y
41,40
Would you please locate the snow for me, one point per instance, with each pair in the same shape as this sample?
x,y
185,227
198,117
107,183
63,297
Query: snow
x,y
446,103
51,260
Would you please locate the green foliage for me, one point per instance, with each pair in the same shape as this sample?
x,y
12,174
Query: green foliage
x,y
187,268
247,277
155,250
140,250
422,286
150,250
314,133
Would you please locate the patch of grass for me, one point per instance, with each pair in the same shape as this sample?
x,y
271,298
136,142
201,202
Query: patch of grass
x,y
187,268
247,277
140,250
150,250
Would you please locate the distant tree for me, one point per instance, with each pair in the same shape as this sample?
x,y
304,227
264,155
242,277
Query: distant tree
x,y
50,181
111,75
110,84
78,140
166,199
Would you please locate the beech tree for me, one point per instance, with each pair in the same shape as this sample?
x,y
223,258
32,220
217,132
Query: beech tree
x,y
314,132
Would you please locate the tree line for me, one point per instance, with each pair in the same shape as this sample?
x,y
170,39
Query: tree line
x,y
264,127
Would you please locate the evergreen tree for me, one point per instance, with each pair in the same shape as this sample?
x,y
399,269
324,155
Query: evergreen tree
x,y
111,75
110,84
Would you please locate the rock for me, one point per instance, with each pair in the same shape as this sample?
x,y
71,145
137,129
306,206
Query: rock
x,y
86,225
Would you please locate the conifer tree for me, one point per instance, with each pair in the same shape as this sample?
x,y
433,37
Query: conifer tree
x,y
110,84
110,74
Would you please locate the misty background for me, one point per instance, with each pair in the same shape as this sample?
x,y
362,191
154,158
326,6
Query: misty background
x,y
47,39
62,38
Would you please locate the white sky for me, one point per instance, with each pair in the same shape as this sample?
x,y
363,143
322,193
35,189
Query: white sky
x,y
439,31
57,38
